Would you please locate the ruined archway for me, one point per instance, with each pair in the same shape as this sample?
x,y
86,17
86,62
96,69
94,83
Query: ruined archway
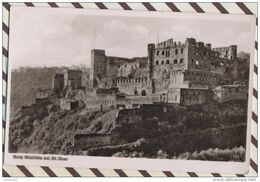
x,y
143,93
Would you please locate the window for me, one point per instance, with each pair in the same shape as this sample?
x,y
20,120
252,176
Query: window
x,y
167,53
162,52
125,65
175,61
181,60
167,62
157,62
158,52
176,51
192,61
162,62
143,93
181,50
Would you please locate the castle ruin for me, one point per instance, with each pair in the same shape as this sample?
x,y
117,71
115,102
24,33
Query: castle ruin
x,y
186,73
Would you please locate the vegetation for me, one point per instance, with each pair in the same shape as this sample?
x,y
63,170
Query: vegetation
x,y
234,154
49,130
52,133
26,81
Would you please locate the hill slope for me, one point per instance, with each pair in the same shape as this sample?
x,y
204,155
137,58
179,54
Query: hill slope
x,y
26,81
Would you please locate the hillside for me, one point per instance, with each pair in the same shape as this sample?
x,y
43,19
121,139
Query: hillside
x,y
51,130
26,81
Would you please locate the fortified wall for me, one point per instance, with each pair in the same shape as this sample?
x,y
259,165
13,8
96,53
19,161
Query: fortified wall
x,y
173,72
104,69
226,93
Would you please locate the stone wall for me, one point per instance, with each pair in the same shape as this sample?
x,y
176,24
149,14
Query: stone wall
x,y
98,66
134,86
86,141
202,78
68,104
161,86
58,82
187,96
169,55
177,79
95,101
73,79
106,100
227,52
226,93
194,96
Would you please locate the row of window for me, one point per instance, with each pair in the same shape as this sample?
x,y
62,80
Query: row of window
x,y
202,74
100,102
168,53
175,61
132,66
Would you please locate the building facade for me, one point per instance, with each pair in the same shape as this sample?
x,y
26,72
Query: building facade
x,y
173,72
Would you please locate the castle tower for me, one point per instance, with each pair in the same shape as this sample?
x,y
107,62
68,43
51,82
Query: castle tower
x,y
151,49
97,67
233,52
58,82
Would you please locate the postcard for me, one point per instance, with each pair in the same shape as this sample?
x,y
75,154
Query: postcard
x,y
129,89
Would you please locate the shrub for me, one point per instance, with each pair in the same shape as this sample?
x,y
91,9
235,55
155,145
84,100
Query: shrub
x,y
235,154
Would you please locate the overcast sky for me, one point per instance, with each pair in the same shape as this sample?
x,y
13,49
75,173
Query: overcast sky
x,y
39,38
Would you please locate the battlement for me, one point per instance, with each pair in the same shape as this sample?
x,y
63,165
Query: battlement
x,y
169,44
189,42
98,52
131,80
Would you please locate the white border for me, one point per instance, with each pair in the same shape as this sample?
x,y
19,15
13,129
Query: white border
x,y
137,163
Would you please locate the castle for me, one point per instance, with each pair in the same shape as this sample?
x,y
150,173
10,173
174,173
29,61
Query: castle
x,y
186,73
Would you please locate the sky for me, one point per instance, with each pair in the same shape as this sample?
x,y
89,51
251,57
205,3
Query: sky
x,y
41,38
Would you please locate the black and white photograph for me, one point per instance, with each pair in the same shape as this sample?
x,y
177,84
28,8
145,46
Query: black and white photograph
x,y
129,85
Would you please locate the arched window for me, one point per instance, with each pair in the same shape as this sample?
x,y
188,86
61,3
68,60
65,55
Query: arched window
x,y
175,61
157,62
162,62
181,60
176,51
158,52
143,93
162,52
135,92
167,62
